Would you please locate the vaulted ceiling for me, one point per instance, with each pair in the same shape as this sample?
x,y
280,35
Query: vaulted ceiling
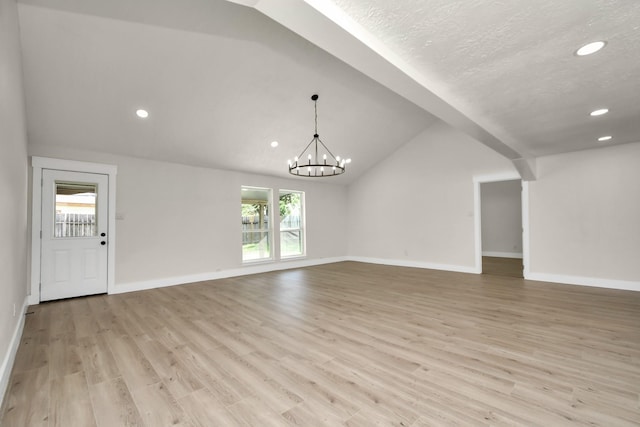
x,y
221,81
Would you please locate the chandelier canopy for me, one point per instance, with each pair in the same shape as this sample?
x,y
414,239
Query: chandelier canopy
x,y
316,160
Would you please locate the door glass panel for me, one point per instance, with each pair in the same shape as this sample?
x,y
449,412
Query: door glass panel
x,y
75,210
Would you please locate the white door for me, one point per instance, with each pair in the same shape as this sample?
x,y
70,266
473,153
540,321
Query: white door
x,y
74,234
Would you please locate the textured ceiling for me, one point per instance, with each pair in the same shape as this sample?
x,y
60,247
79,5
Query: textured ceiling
x,y
510,64
220,81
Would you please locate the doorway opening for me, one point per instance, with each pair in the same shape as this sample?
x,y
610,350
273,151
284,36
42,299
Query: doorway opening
x,y
501,228
501,225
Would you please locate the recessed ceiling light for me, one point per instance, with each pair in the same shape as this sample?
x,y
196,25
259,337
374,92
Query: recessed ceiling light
x,y
143,114
590,48
605,138
274,144
599,112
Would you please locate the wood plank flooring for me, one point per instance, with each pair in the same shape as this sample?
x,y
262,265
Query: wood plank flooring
x,y
341,344
496,266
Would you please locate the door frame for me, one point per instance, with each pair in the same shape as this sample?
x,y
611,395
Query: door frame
x,y
508,176
40,163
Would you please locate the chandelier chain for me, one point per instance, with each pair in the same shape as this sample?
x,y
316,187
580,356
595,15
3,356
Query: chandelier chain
x,y
315,108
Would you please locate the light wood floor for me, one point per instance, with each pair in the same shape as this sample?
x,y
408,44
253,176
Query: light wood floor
x,y
495,266
341,344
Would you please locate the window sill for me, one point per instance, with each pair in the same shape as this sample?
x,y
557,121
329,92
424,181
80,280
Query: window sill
x,y
258,261
293,258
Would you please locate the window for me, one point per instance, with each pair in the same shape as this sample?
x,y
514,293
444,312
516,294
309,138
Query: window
x,y
75,210
256,224
292,241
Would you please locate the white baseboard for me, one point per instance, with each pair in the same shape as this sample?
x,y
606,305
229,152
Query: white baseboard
x,y
585,281
222,274
416,264
10,356
502,254
285,265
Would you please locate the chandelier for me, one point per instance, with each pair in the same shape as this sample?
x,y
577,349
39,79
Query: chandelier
x,y
316,160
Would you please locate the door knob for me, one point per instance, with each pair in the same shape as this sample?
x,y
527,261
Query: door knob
x,y
103,243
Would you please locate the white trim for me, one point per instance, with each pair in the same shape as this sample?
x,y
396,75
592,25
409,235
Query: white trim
x,y
502,254
268,267
497,177
73,165
10,356
242,271
585,281
415,264
40,163
525,228
477,227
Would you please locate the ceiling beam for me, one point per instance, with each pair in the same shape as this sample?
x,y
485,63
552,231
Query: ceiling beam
x,y
328,27
526,168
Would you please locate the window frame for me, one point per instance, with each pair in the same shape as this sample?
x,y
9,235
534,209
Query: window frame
x,y
302,229
269,230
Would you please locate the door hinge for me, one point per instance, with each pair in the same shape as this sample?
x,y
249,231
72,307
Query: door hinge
x,y
40,234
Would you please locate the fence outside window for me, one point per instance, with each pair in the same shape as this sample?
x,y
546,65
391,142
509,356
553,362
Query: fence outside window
x,y
75,225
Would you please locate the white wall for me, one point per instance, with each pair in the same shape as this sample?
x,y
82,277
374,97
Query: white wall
x,y
13,191
501,214
181,223
417,207
585,217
